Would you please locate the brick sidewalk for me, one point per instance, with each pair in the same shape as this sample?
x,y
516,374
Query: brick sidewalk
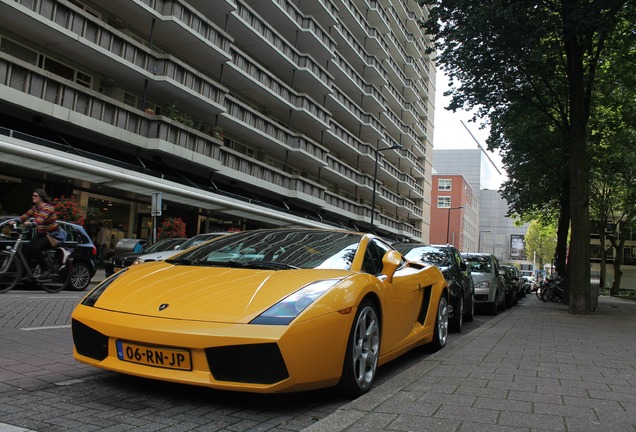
x,y
534,367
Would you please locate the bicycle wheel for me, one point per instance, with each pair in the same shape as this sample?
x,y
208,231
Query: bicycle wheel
x,y
546,293
57,282
9,276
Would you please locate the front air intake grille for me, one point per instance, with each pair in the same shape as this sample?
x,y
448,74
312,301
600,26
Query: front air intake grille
x,y
89,342
257,363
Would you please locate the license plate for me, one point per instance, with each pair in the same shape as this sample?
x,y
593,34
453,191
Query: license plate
x,y
169,358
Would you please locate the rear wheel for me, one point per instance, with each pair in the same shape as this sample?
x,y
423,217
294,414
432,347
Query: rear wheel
x,y
56,282
440,336
456,323
363,351
470,315
9,276
80,277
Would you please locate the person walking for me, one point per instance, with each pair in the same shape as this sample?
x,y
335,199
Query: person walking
x,y
43,217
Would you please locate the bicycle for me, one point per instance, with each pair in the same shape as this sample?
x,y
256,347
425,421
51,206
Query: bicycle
x,y
551,290
15,268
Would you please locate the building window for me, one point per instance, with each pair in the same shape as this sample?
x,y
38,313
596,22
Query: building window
x,y
444,184
443,202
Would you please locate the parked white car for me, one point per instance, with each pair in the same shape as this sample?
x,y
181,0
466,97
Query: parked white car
x,y
193,241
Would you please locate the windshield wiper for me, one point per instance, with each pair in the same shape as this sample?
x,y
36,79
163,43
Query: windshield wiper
x,y
179,261
258,264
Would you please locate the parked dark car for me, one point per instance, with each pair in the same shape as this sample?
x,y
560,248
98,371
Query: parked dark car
x,y
490,289
83,251
513,287
118,262
460,282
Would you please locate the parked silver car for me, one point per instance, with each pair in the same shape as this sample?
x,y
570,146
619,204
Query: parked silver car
x,y
490,289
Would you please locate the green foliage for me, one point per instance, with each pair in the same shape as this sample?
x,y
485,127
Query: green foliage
x,y
541,240
533,68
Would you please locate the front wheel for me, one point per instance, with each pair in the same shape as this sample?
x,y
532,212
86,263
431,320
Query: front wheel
x,y
363,351
10,272
440,336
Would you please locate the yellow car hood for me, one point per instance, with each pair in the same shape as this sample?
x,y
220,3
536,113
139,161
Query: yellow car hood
x,y
215,294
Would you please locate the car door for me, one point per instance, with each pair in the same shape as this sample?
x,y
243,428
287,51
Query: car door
x,y
402,300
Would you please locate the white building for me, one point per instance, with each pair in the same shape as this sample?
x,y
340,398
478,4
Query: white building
x,y
242,113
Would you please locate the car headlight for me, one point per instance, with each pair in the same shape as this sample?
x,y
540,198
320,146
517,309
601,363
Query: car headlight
x,y
94,295
284,312
482,285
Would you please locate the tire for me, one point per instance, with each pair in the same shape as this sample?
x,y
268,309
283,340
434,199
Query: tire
x,y
440,336
493,307
501,306
56,283
80,277
456,322
12,275
363,350
470,315
508,300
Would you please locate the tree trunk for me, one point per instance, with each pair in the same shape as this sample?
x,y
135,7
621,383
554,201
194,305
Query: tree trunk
x,y
603,266
578,280
618,260
563,231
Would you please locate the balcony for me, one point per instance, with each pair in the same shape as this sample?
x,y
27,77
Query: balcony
x,y
323,11
350,82
260,41
301,30
354,53
124,59
366,126
246,124
264,89
176,27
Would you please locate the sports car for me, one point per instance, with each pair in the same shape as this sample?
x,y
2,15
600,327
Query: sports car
x,y
265,311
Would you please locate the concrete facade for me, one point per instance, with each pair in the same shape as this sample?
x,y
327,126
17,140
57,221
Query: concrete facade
x,y
242,113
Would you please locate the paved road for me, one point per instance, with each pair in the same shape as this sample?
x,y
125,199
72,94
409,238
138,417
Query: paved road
x,y
42,388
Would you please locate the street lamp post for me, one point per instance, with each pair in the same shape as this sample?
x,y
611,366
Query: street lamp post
x,y
375,178
448,222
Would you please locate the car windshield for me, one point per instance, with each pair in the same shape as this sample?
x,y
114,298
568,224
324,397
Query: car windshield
x,y
431,255
478,263
276,249
163,245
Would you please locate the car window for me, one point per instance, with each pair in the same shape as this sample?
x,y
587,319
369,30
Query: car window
x,y
300,249
372,262
431,255
478,263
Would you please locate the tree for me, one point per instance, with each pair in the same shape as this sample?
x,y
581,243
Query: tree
x,y
544,54
541,241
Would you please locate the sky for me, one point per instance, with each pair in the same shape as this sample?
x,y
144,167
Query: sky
x,y
450,133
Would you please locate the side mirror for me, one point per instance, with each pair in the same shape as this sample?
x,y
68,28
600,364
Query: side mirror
x,y
390,263
463,266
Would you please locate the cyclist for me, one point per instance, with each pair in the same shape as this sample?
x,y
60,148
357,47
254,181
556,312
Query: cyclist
x,y
42,216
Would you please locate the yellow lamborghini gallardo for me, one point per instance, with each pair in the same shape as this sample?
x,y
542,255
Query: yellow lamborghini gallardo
x,y
265,311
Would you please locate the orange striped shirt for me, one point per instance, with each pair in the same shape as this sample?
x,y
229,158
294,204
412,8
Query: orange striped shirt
x,y
45,218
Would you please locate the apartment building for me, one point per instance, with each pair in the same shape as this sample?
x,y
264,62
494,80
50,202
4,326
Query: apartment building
x,y
454,212
241,113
